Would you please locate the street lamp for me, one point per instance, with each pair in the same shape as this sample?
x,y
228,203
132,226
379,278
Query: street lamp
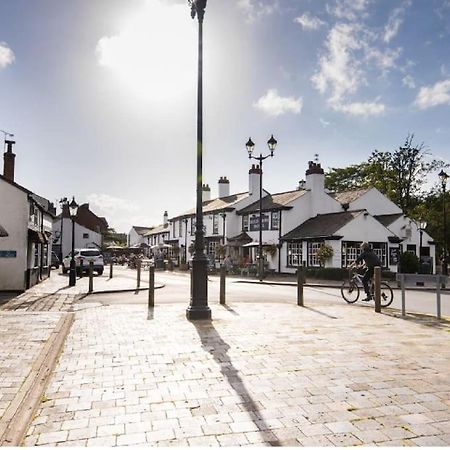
x,y
62,202
185,240
73,210
224,217
272,144
443,176
198,307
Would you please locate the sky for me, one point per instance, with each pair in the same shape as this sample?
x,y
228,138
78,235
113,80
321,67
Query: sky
x,y
101,94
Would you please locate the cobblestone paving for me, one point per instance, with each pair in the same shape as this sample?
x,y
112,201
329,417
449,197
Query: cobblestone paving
x,y
261,374
33,301
23,335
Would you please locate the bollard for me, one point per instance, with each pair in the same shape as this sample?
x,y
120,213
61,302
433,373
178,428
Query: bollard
x,y
111,269
377,283
138,267
80,274
438,296
91,276
151,286
402,285
300,283
223,274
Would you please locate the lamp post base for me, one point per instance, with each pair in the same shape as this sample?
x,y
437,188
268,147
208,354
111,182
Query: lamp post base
x,y
72,274
198,308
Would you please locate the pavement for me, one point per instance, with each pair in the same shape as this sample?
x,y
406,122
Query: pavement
x,y
263,372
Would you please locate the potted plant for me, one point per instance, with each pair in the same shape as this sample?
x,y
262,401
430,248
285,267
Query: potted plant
x,y
324,253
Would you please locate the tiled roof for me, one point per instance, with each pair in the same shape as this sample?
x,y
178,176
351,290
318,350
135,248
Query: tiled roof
x,y
349,196
158,230
274,201
388,219
323,225
142,230
216,204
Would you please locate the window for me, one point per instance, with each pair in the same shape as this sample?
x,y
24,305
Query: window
x,y
245,223
215,219
380,249
212,247
85,235
192,226
350,251
275,220
36,255
294,254
313,248
411,248
254,222
174,234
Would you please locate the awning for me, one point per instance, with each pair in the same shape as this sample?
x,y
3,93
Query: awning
x,y
256,244
161,246
3,232
36,236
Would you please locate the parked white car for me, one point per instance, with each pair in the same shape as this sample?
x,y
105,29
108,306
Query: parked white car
x,y
83,256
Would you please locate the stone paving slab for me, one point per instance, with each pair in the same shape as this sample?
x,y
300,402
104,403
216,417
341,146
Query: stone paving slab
x,y
26,340
258,374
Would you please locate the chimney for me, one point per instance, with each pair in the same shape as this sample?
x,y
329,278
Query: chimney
x,y
254,180
224,187
8,161
206,193
301,185
315,177
165,218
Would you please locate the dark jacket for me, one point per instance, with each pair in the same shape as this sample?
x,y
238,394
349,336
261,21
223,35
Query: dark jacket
x,y
370,258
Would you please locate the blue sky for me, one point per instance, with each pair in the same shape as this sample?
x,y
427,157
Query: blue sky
x,y
101,94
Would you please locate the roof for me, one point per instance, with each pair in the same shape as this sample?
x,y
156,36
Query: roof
x,y
275,201
323,225
44,204
142,230
158,230
242,237
216,204
348,196
388,219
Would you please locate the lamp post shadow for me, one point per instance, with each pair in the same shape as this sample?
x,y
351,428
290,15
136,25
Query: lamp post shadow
x,y
213,343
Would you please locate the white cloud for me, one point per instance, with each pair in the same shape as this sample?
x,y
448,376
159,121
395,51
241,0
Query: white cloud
x,y
409,82
349,9
107,204
274,105
438,94
364,109
309,22
395,21
324,122
6,55
255,9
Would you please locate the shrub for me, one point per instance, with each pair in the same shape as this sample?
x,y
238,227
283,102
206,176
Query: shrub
x,y
324,253
409,263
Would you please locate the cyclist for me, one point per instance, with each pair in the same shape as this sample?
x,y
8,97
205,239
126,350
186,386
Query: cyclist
x,y
370,260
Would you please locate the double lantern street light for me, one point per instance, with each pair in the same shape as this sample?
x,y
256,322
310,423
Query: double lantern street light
x,y
73,211
421,225
443,177
272,144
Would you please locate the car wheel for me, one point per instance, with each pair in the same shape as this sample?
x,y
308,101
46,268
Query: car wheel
x,y
100,272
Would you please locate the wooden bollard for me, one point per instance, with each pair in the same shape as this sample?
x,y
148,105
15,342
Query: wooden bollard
x,y
151,286
91,277
300,283
377,293
138,267
223,274
111,269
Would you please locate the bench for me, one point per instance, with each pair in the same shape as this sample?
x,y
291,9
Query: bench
x,y
414,278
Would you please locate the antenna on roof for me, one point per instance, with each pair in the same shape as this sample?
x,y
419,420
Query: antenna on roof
x,y
316,158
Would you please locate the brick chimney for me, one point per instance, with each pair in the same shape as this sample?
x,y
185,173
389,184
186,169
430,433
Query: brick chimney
x,y
254,180
206,193
165,218
224,187
8,161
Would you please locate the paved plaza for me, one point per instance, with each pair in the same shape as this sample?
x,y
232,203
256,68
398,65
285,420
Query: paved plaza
x,y
263,372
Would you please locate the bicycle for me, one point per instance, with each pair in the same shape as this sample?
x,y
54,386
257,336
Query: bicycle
x,y
350,290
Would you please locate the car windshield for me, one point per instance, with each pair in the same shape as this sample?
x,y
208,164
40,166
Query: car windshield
x,y
90,253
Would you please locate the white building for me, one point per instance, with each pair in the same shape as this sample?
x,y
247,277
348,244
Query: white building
x,y
136,236
25,254
297,223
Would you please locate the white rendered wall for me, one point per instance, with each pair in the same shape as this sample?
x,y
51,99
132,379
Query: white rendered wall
x,y
14,212
375,203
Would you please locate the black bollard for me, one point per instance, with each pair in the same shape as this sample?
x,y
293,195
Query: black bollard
x,y
91,276
223,274
300,283
151,286
377,282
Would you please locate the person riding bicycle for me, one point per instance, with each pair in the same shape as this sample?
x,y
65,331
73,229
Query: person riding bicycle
x,y
370,259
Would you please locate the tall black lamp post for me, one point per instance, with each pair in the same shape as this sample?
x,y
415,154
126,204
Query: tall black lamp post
x,y
422,226
62,202
185,240
271,143
443,176
73,210
198,308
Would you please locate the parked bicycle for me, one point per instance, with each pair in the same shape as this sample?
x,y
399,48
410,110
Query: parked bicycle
x,y
351,288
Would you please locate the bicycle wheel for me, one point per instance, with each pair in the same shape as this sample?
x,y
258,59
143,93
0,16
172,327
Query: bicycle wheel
x,y
387,296
350,291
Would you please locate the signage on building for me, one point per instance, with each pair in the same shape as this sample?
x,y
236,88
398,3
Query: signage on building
x,y
8,254
394,255
254,222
